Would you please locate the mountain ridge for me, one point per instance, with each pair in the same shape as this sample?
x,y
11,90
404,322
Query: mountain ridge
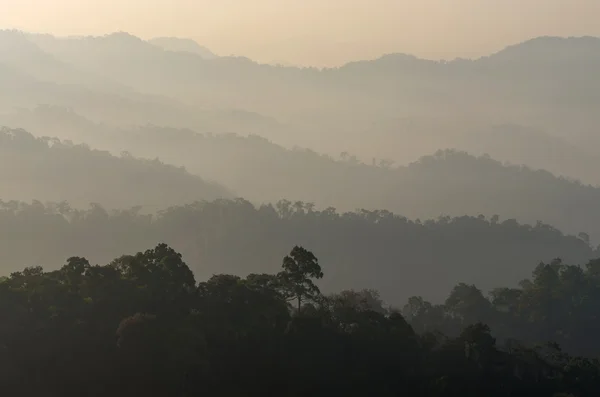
x,y
183,45
53,170
451,182
168,43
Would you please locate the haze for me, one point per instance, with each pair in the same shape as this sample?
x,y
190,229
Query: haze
x,y
316,32
417,215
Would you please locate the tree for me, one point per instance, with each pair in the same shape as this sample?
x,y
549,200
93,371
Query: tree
x,y
74,271
584,237
478,340
468,302
363,300
299,268
58,334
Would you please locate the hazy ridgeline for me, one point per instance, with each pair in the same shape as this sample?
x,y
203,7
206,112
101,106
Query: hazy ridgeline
x,y
173,101
431,186
449,183
50,170
364,249
397,107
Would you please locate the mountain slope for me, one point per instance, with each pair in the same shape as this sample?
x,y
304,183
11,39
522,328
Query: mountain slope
x,y
21,53
31,76
362,249
51,170
535,148
548,83
450,182
182,45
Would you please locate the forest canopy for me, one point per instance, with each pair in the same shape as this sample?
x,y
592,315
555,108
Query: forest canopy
x,y
142,324
365,249
389,227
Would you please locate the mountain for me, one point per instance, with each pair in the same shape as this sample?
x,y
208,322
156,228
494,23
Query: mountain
x,y
522,145
246,125
450,182
568,62
19,52
397,107
31,77
545,83
428,80
183,45
361,249
547,50
51,170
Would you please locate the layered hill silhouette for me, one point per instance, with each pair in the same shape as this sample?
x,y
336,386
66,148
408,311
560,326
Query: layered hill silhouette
x,y
397,107
183,45
235,121
450,182
51,170
536,148
363,249
543,69
31,76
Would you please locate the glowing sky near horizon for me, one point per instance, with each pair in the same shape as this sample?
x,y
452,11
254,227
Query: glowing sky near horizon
x,y
316,32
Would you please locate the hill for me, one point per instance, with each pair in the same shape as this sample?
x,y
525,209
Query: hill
x,y
18,52
450,182
362,249
183,45
397,106
31,77
143,323
539,150
51,170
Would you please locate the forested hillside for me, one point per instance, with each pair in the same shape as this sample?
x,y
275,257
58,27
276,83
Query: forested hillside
x,y
143,325
364,249
391,226
47,169
448,182
557,303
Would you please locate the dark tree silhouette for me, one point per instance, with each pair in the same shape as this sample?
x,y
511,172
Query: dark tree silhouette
x,y
299,268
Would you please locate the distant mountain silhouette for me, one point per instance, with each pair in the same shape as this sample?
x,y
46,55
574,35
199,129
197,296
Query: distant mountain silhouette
x,y
19,52
536,148
51,170
121,56
550,49
321,136
397,107
450,182
30,76
183,45
378,249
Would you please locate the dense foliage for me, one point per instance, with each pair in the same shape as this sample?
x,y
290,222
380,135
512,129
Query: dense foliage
x,y
364,318
364,249
142,326
559,303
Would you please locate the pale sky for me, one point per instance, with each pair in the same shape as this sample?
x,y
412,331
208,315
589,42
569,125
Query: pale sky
x,y
316,32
